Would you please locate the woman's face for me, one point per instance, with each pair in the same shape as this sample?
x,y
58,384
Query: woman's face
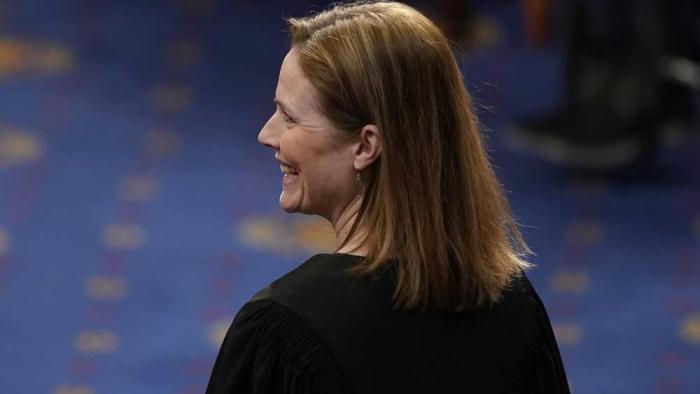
x,y
320,179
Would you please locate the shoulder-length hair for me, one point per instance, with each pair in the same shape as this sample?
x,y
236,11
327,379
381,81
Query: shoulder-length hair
x,y
432,203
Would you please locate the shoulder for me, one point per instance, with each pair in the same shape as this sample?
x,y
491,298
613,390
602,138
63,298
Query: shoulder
x,y
322,277
546,372
325,294
271,348
519,294
521,304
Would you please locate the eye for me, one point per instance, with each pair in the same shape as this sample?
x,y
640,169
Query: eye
x,y
280,109
287,118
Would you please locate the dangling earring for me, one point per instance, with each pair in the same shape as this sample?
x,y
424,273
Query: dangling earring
x,y
359,183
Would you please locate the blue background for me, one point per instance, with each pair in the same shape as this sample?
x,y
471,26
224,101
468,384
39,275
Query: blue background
x,y
138,212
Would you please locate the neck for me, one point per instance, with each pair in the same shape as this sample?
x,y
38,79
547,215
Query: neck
x,y
342,225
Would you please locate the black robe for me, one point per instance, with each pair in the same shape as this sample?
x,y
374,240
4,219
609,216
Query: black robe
x,y
320,330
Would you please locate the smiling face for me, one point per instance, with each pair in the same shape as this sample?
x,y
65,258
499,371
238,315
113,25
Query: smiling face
x,y
322,181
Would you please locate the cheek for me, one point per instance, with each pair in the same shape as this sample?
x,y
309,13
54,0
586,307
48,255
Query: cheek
x,y
335,172
291,148
301,150
323,164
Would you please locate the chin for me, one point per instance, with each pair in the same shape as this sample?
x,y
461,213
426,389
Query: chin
x,y
289,207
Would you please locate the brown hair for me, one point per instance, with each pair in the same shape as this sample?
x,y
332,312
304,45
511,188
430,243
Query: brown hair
x,y
432,201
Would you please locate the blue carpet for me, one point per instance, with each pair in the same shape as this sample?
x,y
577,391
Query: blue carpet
x,y
138,212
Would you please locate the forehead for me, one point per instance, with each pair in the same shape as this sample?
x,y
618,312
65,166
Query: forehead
x,y
293,87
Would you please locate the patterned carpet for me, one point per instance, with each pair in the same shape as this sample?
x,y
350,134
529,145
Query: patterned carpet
x,y
138,212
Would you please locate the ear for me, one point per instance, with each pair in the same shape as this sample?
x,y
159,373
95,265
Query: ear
x,y
368,148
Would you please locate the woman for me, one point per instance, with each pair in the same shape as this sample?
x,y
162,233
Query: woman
x,y
426,293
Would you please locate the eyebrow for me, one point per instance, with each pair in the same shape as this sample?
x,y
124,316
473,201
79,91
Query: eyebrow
x,y
284,107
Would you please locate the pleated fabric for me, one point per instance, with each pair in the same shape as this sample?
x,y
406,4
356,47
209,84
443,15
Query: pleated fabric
x,y
269,349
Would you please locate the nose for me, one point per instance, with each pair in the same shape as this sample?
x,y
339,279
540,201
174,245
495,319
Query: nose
x,y
268,136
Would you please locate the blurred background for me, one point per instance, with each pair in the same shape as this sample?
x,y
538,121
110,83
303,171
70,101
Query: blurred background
x,y
138,212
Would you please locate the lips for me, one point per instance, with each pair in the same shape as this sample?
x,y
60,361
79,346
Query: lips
x,y
287,168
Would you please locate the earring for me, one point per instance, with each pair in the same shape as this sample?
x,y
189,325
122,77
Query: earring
x,y
359,183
